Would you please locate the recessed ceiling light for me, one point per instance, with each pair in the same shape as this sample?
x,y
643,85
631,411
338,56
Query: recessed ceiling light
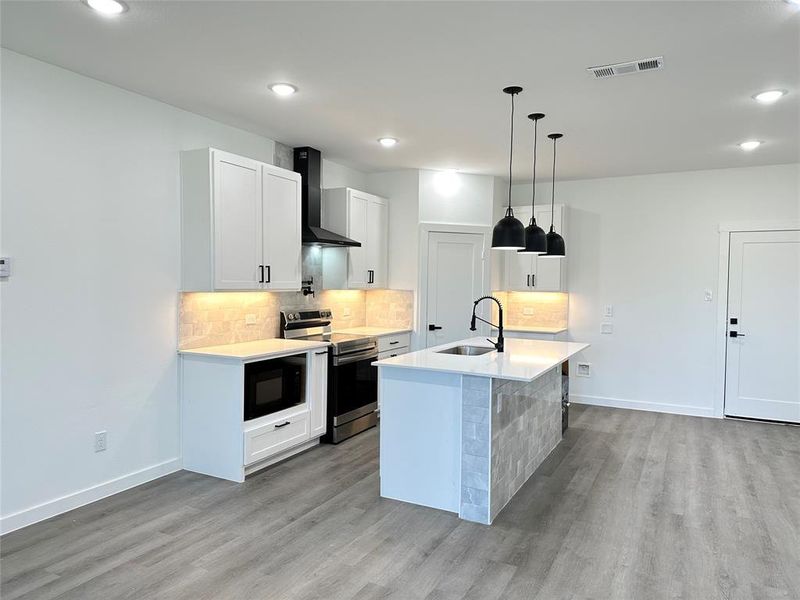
x,y
750,145
107,7
769,96
283,89
387,142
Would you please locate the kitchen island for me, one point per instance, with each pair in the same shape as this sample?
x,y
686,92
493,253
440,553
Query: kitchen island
x,y
463,432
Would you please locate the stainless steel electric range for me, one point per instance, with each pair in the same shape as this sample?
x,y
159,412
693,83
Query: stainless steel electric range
x,y
352,380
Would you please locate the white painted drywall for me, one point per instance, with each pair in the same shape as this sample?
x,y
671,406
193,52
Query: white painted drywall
x,y
469,202
649,246
335,175
90,215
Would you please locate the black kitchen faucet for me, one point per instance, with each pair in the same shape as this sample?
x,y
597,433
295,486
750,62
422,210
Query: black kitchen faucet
x,y
500,344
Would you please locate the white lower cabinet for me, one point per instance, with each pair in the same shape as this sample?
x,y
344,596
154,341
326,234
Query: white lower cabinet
x,y
390,346
318,392
217,441
270,438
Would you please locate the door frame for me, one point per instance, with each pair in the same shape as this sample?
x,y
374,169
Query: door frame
x,y
721,345
425,231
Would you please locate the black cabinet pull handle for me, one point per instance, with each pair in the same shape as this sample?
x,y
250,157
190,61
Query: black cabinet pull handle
x,y
261,268
529,280
321,353
282,425
533,280
433,327
269,274
394,342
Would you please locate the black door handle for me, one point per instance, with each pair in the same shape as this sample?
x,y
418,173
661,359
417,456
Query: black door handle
x,y
736,334
433,327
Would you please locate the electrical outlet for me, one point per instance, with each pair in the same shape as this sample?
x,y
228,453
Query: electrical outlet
x,y
606,328
100,441
608,310
709,296
528,311
250,319
499,404
346,312
584,369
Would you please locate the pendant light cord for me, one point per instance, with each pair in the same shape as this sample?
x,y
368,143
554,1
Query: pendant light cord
x,y
553,192
533,192
510,212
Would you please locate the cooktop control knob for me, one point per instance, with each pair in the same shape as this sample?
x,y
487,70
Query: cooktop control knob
x,y
290,316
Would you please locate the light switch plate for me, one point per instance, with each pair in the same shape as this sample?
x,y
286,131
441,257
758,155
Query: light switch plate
x,y
5,266
709,296
606,328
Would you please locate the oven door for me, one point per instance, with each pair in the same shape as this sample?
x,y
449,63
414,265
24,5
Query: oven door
x,y
274,385
353,386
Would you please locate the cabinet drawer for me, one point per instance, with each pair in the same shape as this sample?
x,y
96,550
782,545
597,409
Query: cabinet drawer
x,y
391,353
393,342
271,438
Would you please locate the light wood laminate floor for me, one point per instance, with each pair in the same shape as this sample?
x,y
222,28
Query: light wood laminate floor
x,y
631,505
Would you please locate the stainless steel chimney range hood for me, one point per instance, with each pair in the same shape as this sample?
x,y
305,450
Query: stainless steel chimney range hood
x,y
308,162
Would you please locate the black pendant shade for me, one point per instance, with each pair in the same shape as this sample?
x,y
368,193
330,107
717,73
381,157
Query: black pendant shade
x,y
555,243
535,238
509,232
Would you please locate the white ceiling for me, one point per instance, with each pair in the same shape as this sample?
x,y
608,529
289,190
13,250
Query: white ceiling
x,y
431,73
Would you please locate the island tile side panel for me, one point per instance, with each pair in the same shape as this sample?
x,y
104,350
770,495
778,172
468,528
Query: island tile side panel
x,y
526,427
475,448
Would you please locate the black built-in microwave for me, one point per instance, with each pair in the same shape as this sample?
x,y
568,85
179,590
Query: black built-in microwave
x,y
274,385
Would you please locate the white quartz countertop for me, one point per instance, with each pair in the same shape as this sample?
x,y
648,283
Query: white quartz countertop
x,y
523,360
532,329
376,331
247,351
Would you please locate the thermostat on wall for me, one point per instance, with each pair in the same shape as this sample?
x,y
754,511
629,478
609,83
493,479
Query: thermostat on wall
x,y
5,266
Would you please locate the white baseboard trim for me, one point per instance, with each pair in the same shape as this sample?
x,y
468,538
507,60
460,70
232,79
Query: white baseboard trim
x,y
673,409
40,512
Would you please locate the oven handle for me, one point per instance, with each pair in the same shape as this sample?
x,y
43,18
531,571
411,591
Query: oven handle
x,y
345,359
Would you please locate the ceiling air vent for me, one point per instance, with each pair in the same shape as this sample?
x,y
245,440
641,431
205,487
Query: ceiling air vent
x,y
626,68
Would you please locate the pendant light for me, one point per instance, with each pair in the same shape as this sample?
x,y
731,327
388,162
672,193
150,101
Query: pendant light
x,y
535,239
509,232
555,243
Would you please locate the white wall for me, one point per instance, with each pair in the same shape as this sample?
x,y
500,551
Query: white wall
x,y
90,209
335,175
469,202
649,245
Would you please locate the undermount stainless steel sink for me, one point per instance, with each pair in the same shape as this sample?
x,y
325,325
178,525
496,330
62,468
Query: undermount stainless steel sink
x,y
466,350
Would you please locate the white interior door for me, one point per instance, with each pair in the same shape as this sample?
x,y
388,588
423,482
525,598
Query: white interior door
x,y
282,213
455,281
761,377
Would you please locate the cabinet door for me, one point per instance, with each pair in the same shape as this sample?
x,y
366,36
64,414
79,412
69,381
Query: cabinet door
x,y
357,210
237,222
519,267
378,243
318,392
549,274
282,221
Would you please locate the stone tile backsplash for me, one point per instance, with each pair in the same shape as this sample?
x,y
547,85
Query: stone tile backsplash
x,y
546,309
209,319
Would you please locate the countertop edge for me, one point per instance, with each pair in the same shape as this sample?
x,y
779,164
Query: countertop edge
x,y
197,352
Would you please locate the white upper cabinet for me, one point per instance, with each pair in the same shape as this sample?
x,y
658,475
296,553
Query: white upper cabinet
x,y
282,223
240,223
532,273
364,218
